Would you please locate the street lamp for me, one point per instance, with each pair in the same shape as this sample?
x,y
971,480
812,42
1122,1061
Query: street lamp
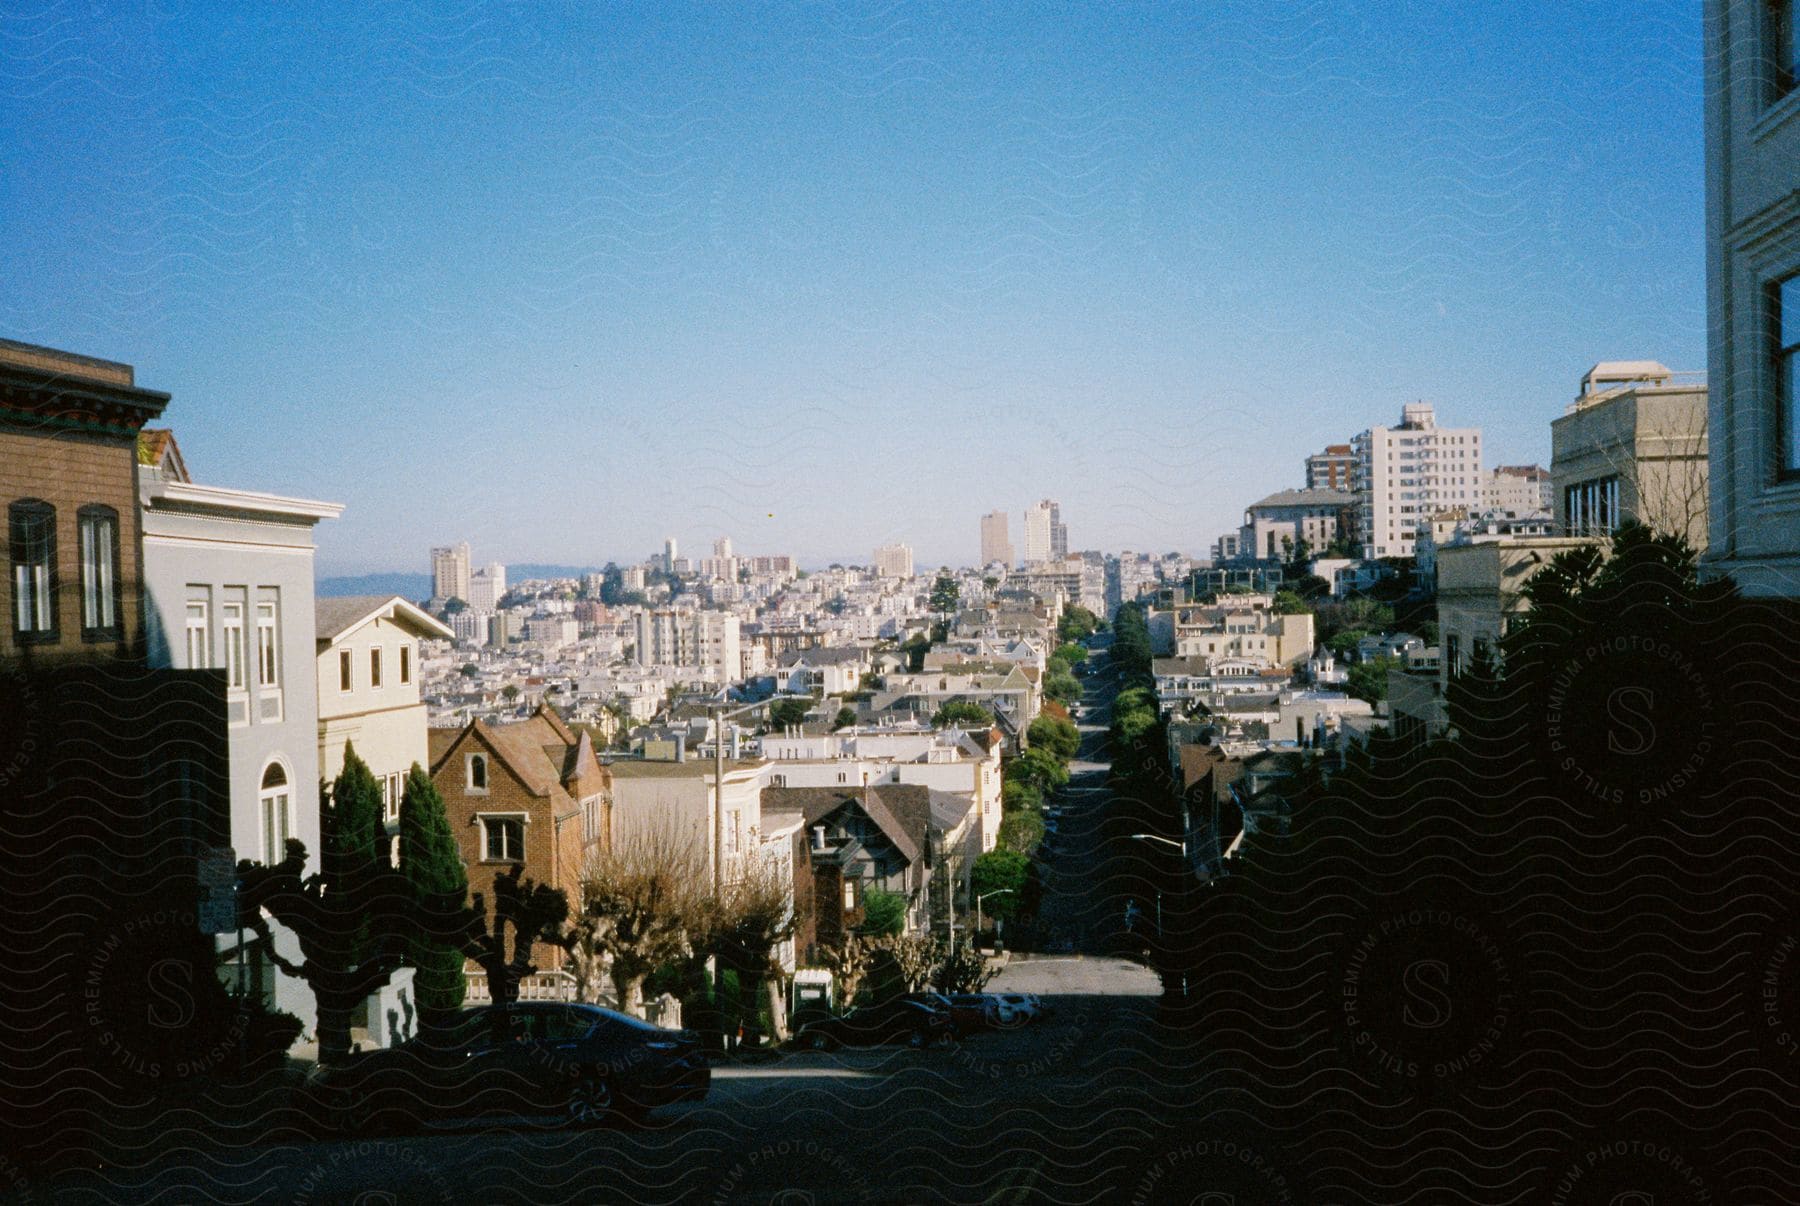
x,y
979,899
1181,846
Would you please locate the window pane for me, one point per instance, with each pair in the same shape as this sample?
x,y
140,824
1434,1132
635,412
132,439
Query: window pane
x,y
1788,372
1787,304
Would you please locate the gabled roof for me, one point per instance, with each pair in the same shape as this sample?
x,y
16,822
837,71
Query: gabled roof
x,y
157,446
1317,497
337,618
901,811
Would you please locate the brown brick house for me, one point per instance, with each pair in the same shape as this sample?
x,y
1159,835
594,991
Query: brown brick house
x,y
69,424
530,793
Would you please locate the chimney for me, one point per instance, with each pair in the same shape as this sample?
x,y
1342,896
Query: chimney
x,y
680,746
819,838
737,743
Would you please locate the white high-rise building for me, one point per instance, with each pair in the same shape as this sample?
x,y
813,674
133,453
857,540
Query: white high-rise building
x,y
487,586
894,561
670,555
450,572
996,539
705,642
722,548
1407,474
1519,489
1046,538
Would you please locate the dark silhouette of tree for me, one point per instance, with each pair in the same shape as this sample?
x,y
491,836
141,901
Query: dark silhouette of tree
x,y
432,867
533,913
353,918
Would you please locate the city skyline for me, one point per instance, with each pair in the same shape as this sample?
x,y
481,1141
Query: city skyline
x,y
695,256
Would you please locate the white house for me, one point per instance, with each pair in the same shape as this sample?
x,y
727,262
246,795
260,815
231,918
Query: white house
x,y
367,666
228,583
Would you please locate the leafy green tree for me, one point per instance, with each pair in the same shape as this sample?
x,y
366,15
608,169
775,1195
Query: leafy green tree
x,y
915,648
1288,603
1077,624
469,670
1369,680
1344,643
846,716
433,868
945,596
1038,767
1021,832
1003,871
509,692
1071,654
1055,734
961,712
1016,796
788,711
1062,686
884,912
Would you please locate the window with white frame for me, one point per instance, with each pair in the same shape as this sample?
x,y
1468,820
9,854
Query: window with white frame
x,y
199,627
99,530
849,894
31,538
231,629
268,648
393,789
277,814
503,839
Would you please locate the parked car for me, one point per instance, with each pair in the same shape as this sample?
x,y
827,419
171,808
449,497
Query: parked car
x,y
969,1011
1018,1008
581,1063
899,1020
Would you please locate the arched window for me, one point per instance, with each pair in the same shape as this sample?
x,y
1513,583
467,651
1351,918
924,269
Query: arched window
x,y
277,813
99,529
31,541
478,768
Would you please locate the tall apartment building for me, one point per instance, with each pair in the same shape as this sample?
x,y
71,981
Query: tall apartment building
x,y
670,555
450,572
1332,469
708,643
487,586
894,561
1407,474
1046,537
996,539
1632,446
1753,291
1519,490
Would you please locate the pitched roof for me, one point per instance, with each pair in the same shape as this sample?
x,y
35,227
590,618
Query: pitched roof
x,y
336,616
901,811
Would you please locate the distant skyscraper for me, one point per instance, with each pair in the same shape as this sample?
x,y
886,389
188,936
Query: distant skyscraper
x,y
722,548
1333,469
487,586
1046,537
670,555
894,561
450,572
996,539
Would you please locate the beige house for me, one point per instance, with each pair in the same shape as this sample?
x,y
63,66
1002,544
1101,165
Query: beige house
x,y
1481,591
1632,446
368,688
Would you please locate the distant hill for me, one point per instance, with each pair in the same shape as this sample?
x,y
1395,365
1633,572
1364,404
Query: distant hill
x,y
407,586
418,586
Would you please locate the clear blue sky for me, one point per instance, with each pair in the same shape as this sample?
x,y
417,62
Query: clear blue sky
x,y
564,280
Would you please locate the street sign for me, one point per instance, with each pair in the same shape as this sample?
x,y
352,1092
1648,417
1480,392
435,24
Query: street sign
x,y
217,876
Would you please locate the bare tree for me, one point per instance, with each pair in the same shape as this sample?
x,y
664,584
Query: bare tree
x,y
641,905
915,956
749,921
849,962
963,969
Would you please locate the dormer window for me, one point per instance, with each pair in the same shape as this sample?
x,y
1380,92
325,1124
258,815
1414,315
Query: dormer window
x,y
478,772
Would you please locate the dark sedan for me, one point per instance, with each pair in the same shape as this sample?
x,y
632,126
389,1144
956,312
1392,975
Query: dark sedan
x,y
897,1021
580,1063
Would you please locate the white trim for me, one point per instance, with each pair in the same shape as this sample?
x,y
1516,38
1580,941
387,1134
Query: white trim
x,y
222,498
